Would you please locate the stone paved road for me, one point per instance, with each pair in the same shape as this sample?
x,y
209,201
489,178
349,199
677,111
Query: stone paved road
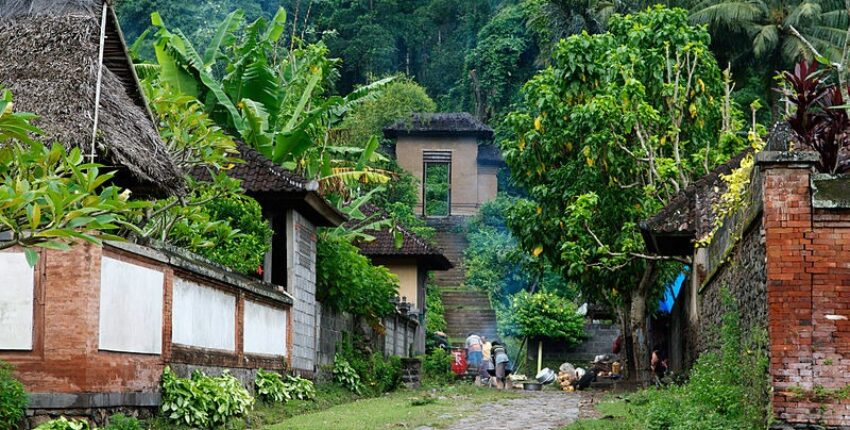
x,y
547,410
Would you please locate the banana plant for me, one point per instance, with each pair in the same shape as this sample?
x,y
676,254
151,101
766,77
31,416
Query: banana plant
x,y
271,96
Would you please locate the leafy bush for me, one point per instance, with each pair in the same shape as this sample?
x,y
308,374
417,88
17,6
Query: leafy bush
x,y
346,376
387,373
544,314
348,282
203,401
436,366
13,398
63,423
123,422
272,387
435,311
378,374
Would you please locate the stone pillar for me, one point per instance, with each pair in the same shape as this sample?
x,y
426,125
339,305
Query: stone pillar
x,y
301,283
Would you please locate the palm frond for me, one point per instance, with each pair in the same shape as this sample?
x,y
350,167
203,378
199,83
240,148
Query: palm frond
x,y
734,15
765,40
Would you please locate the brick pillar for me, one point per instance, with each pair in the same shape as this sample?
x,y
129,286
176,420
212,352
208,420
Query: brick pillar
x,y
787,221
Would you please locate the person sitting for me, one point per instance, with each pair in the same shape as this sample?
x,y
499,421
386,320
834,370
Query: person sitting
x,y
501,364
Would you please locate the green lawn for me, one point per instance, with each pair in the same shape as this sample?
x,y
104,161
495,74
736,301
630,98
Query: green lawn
x,y
615,416
401,409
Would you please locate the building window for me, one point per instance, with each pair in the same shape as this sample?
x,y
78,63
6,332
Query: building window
x,y
436,183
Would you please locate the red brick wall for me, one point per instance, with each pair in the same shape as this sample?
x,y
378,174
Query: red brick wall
x,y
65,357
808,276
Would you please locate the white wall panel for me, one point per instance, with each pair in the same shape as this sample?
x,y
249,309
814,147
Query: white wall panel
x,y
265,329
203,316
130,307
16,301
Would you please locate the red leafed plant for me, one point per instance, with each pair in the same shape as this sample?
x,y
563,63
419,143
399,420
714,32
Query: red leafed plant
x,y
820,120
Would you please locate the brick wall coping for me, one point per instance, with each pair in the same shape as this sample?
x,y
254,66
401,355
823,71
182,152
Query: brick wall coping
x,y
189,262
787,158
830,191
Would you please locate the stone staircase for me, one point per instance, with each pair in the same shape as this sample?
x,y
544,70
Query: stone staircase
x,y
467,310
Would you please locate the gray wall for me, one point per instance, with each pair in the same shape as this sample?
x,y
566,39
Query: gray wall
x,y
301,268
401,336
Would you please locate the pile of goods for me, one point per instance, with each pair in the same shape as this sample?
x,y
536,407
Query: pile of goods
x,y
573,378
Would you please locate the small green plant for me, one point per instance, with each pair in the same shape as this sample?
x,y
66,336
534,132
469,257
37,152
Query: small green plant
x,y
346,376
123,422
272,387
300,388
436,367
63,423
203,401
13,398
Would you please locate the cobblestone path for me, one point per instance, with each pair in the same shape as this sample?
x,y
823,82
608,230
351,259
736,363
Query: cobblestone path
x,y
547,410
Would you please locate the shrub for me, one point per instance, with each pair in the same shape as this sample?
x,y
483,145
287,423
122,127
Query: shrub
x,y
387,372
346,376
544,314
272,387
63,423
346,281
203,401
13,398
123,422
436,366
378,374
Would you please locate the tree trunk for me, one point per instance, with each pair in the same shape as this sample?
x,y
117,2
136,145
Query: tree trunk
x,y
628,351
641,352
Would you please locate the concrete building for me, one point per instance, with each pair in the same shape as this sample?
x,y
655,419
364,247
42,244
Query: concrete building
x,y
451,155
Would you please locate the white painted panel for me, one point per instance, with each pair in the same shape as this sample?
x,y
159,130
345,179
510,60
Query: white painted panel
x,y
265,329
130,307
203,316
16,301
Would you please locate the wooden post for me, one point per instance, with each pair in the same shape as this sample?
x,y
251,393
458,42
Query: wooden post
x,y
539,355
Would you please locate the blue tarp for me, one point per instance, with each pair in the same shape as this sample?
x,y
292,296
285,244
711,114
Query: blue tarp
x,y
670,294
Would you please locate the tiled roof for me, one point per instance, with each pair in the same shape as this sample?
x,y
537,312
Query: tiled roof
x,y
264,180
451,123
260,175
690,211
384,244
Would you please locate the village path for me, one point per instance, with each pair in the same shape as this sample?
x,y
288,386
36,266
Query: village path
x,y
545,410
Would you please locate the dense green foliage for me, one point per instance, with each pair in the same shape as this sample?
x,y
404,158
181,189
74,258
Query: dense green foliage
x,y
435,311
395,102
436,367
364,372
274,387
544,314
13,398
436,199
347,282
63,423
203,401
53,197
495,262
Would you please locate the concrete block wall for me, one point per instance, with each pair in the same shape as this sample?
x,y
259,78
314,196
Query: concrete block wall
x,y
306,317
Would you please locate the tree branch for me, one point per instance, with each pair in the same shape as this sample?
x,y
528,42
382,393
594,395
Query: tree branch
x,y
632,254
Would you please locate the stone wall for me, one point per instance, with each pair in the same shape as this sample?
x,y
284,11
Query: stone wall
x,y
742,276
600,340
401,335
301,268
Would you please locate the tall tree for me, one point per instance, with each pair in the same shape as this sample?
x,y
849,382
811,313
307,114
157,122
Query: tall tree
x,y
778,31
618,124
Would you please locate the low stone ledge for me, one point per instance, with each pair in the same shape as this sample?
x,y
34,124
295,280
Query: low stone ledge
x,y
92,400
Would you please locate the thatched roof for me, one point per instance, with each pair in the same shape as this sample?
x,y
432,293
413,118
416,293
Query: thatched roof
x,y
49,53
439,124
689,214
412,246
